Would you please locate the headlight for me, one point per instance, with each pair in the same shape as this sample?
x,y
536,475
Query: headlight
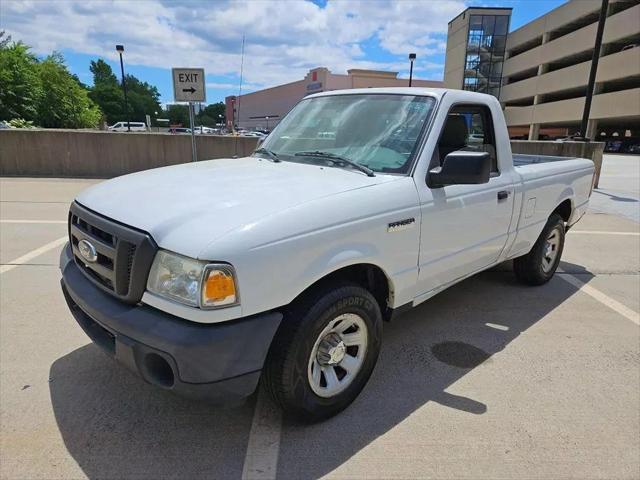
x,y
190,281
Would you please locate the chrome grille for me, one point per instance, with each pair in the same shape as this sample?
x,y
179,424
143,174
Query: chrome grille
x,y
124,254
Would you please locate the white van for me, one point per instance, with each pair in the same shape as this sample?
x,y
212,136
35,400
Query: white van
x,y
122,127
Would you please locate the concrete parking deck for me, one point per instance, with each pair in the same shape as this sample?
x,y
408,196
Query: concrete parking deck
x,y
490,379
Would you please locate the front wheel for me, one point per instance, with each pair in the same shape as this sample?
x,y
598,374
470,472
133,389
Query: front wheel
x,y
324,351
538,266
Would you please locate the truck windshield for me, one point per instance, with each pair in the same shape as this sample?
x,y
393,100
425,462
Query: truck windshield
x,y
377,131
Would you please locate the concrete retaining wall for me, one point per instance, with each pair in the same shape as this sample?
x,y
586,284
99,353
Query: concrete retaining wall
x,y
591,150
73,153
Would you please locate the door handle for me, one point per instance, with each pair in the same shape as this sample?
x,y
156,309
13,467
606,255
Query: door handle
x,y
503,195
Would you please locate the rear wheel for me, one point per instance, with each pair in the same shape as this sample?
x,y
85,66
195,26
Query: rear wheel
x,y
324,351
538,266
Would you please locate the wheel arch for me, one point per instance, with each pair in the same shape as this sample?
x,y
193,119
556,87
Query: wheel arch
x,y
368,275
564,209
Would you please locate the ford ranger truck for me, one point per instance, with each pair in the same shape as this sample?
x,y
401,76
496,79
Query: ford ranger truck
x,y
207,278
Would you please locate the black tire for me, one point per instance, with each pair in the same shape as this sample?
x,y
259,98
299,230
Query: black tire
x,y
529,268
286,370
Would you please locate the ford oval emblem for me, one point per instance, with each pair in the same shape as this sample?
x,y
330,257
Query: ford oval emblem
x,y
87,251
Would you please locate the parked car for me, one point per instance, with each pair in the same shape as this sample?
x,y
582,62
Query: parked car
x,y
122,127
633,147
202,129
255,134
282,266
180,130
613,146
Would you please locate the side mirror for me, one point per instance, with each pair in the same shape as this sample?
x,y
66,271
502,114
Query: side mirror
x,y
260,142
461,168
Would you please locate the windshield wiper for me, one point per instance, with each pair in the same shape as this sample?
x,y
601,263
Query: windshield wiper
x,y
271,154
338,159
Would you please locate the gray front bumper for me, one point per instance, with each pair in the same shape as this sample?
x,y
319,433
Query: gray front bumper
x,y
219,362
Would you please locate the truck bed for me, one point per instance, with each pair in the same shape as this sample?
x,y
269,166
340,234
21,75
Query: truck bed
x,y
520,159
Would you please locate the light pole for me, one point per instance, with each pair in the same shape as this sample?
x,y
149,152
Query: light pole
x,y
120,49
592,73
412,57
267,119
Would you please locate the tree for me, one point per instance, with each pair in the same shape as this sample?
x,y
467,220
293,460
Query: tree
x,y
106,91
178,114
20,86
4,39
144,99
63,103
209,116
42,92
102,73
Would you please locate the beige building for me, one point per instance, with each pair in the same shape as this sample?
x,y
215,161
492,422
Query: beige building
x,y
546,69
265,108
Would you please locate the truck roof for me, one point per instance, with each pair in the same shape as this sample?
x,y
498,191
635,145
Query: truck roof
x,y
425,91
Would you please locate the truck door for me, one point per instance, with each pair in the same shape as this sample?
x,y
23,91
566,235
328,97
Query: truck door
x,y
464,227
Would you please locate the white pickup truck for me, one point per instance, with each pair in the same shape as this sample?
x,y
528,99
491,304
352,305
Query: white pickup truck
x,y
205,278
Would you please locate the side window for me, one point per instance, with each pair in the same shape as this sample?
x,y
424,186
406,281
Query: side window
x,y
468,127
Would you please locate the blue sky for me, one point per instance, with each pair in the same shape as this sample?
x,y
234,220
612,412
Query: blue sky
x,y
283,39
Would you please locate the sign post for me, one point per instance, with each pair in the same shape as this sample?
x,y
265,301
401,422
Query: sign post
x,y
188,86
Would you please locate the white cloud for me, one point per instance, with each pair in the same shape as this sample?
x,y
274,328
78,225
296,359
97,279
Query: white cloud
x,y
221,85
246,87
283,39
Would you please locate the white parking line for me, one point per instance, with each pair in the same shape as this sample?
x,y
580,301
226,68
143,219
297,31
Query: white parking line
x,y
602,298
33,221
32,254
599,232
261,459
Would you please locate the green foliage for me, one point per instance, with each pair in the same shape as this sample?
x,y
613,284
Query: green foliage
x,y
178,115
144,99
4,39
205,120
42,92
102,73
209,116
20,83
106,92
63,103
20,123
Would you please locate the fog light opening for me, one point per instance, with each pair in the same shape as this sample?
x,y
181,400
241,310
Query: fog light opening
x,y
159,370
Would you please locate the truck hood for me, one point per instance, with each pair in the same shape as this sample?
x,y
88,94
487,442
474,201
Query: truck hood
x,y
186,207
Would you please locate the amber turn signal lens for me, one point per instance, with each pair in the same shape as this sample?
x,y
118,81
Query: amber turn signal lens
x,y
219,288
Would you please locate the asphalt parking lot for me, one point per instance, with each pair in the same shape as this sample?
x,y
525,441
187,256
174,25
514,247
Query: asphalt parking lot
x,y
490,379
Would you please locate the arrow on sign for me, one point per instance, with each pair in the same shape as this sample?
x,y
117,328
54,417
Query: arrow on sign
x,y
192,90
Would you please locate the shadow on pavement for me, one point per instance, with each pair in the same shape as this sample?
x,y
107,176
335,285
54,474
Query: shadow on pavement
x,y
616,198
423,353
115,426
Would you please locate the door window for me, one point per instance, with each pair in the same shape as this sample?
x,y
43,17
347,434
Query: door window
x,y
469,128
